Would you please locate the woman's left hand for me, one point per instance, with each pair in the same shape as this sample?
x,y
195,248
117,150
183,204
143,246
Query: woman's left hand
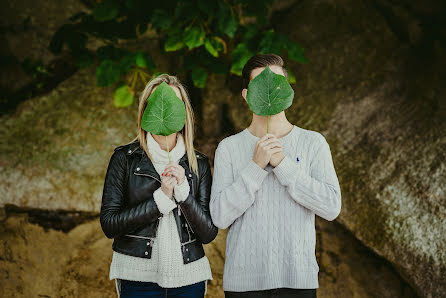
x,y
174,169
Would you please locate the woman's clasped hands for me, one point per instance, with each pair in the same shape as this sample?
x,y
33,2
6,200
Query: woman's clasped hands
x,y
173,174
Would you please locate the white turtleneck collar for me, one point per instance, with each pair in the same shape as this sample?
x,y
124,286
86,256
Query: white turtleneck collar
x,y
159,155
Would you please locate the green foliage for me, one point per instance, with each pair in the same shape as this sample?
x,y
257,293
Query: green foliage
x,y
227,19
240,56
199,76
291,77
269,93
122,96
144,60
174,41
210,36
106,10
107,73
165,112
193,37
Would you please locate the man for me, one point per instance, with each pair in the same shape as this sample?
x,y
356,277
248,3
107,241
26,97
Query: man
x,y
267,189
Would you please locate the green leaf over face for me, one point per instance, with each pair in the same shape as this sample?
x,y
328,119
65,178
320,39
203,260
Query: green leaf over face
x,y
165,113
269,93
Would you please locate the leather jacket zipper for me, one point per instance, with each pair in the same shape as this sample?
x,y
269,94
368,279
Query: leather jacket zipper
x,y
179,207
141,237
187,242
179,213
139,174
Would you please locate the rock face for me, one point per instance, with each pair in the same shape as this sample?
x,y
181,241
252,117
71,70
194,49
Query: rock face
x,y
373,87
51,263
379,100
27,29
58,146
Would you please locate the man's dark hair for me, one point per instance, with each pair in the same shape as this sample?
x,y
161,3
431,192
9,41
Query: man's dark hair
x,y
261,60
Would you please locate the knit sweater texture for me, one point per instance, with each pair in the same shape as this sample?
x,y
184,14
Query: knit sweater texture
x,y
165,267
270,212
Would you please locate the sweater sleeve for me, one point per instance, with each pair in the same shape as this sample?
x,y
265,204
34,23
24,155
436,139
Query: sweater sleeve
x,y
164,204
181,191
319,191
230,197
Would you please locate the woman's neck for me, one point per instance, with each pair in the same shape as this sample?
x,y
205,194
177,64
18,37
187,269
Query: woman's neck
x,y
161,140
278,125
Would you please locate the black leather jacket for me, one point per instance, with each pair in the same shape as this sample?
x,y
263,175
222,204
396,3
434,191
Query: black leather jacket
x,y
130,215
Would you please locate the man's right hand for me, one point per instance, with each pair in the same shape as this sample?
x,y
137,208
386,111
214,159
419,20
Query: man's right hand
x,y
266,146
167,185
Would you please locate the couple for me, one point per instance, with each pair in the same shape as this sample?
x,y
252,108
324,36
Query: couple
x,y
266,188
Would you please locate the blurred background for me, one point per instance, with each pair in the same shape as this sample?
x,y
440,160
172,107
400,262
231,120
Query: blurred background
x,y
370,75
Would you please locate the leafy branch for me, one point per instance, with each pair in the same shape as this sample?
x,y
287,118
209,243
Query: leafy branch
x,y
211,36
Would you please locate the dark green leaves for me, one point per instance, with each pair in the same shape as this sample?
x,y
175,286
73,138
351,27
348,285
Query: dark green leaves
x,y
269,93
240,56
219,36
106,10
193,37
214,45
199,76
107,73
165,112
174,41
144,60
227,19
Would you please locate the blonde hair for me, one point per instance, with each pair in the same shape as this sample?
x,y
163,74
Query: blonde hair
x,y
187,131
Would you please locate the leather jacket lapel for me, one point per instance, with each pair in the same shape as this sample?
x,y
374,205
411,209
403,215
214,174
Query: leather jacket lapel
x,y
145,167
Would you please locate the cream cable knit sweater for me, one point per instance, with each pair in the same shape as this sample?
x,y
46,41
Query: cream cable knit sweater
x,y
165,267
270,212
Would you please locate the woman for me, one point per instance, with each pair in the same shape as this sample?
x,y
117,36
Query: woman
x,y
158,212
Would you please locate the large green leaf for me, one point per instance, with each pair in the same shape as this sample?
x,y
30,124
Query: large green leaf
x,y
165,113
269,93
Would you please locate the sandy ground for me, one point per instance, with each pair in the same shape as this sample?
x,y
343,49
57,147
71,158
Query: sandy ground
x,y
39,262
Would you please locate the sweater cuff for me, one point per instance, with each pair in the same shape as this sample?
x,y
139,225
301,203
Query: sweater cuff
x,y
181,191
285,170
254,174
164,204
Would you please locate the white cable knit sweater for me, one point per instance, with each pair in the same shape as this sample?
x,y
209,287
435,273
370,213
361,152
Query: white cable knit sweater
x,y
165,267
270,212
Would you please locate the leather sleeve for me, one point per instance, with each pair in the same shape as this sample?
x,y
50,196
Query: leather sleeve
x,y
117,219
196,210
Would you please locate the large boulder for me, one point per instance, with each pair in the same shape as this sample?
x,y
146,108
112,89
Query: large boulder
x,y
379,100
56,147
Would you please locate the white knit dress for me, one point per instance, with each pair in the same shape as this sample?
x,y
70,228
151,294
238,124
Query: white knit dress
x,y
165,267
